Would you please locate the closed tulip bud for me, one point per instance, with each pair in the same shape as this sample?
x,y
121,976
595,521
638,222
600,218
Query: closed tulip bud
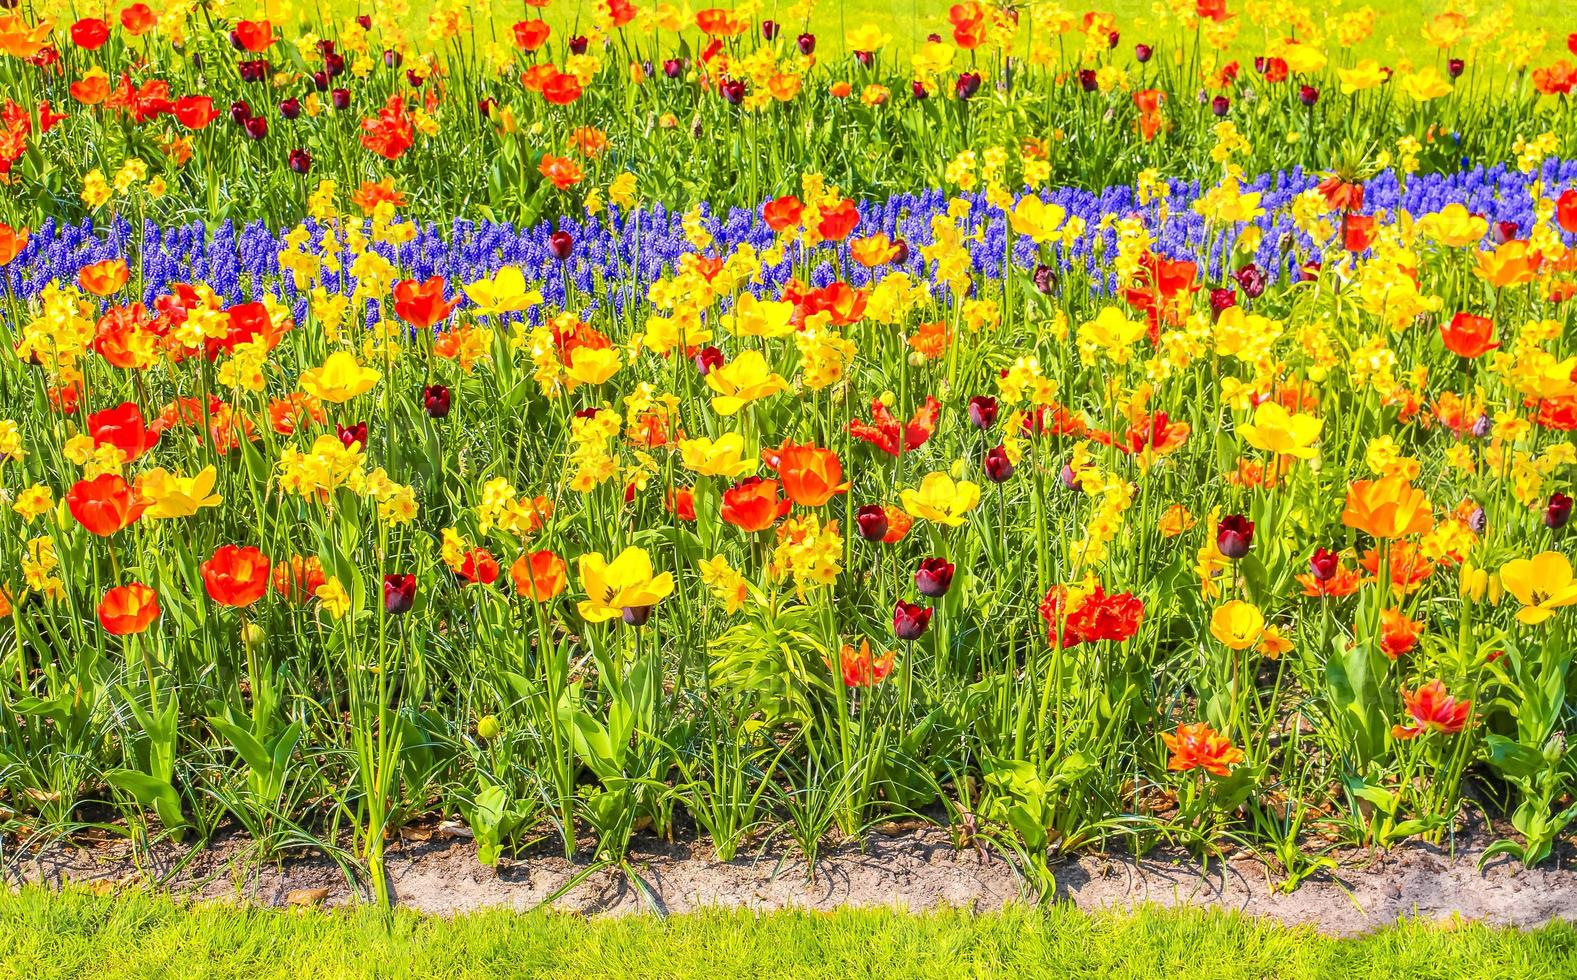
x,y
399,594
967,85
437,399
707,360
733,90
334,64
488,728
1472,582
918,90
1456,66
240,112
290,108
340,98
256,127
300,161
253,637
578,44
769,30
1478,520
364,21
355,432
865,58
900,252
1234,536
320,81
807,43
1045,279
1142,53
910,621
1308,94
934,577
673,67
1558,512
637,615
561,244
1113,39
871,522
1087,79
983,411
1503,231
999,469
1324,564
1220,105
393,58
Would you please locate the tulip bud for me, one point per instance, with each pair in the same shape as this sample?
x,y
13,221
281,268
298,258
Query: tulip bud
x,y
300,161
1308,94
1324,564
707,360
910,621
807,43
673,67
769,30
561,244
865,58
340,99
399,594
1045,279
934,577
918,90
437,399
1220,105
1558,512
253,637
1456,66
364,21
578,44
488,728
392,58
1478,520
637,615
967,85
1142,53
871,522
256,127
240,112
1482,426
999,469
983,411
1087,80
290,108
900,252
334,64
1234,536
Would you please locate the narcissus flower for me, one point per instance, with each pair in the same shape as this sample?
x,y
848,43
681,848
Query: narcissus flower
x,y
941,500
1036,220
1275,430
539,575
1432,709
626,582
1543,584
339,379
104,504
236,576
1198,746
128,609
1387,508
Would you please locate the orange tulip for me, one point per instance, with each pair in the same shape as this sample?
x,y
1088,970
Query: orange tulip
x,y
12,241
1511,264
1388,508
298,578
1468,335
1199,746
104,278
753,505
105,504
540,575
811,476
236,576
422,304
128,609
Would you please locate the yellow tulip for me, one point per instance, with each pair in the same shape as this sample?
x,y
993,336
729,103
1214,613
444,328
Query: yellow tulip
x,y
1454,226
1275,430
723,457
339,379
1543,584
1112,332
624,583
178,496
506,292
1238,624
592,366
1037,220
941,500
741,381
753,317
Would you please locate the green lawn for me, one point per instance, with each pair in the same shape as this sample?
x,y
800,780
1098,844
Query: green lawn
x,y
75,934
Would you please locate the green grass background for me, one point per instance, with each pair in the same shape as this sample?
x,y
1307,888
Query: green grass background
x,y
45,934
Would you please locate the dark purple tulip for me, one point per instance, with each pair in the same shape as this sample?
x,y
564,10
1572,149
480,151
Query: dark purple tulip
x,y
1142,53
865,58
733,90
355,432
1113,39
918,90
300,161
256,127
983,411
769,30
999,469
399,594
636,615
1456,66
235,39
871,522
910,621
1222,299
437,399
1087,79
393,58
253,71
1234,536
340,98
1252,279
1045,279
578,44
673,67
334,64
290,108
561,244
1482,426
1478,520
1308,94
413,79
1220,105
320,81
1324,563
807,43
707,360
240,112
934,577
967,85
1558,512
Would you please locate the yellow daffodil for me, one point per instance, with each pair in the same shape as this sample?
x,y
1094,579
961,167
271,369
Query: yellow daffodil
x,y
625,583
1543,584
741,381
339,379
941,500
1275,430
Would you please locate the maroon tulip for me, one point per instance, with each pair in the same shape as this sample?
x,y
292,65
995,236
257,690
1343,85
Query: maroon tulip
x,y
1456,66
300,161
918,90
871,522
240,112
399,594
967,85
934,577
561,244
290,108
364,21
999,469
910,621
1221,300
636,615
437,399
1234,536
340,98
708,359
1308,94
807,43
1324,564
1220,105
983,411
1142,53
1251,279
393,58
673,67
1558,512
769,30
900,251
578,44
256,127
355,432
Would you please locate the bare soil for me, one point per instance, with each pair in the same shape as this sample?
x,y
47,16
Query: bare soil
x,y
914,867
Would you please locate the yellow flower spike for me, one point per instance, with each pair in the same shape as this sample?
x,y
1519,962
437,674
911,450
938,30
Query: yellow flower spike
x,y
340,378
506,292
724,456
741,381
1275,430
941,500
1543,584
626,582
178,496
1237,624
